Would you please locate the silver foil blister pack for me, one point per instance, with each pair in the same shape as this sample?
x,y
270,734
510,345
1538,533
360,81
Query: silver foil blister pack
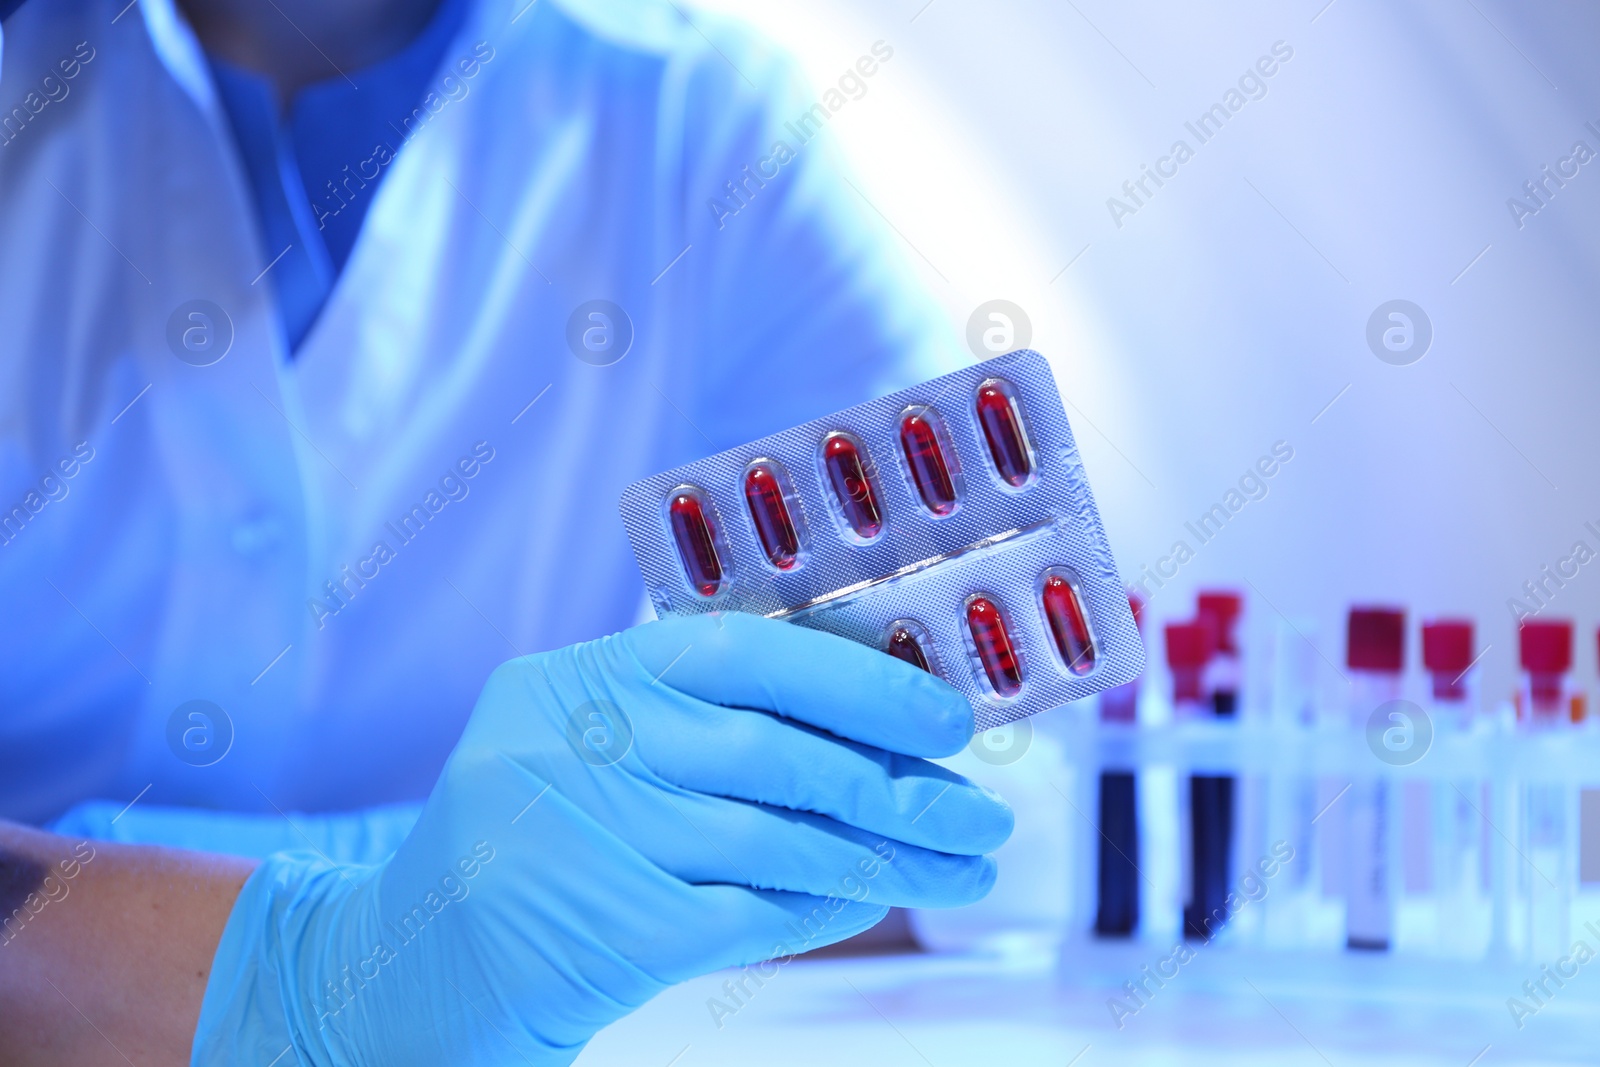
x,y
949,524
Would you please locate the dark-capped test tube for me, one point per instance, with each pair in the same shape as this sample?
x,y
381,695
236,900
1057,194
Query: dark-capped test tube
x,y
1068,623
689,518
1001,419
925,459
903,644
769,512
852,489
992,641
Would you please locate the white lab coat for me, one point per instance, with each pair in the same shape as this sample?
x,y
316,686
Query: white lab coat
x,y
187,555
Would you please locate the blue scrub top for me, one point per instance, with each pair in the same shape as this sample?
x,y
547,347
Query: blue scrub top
x,y
304,163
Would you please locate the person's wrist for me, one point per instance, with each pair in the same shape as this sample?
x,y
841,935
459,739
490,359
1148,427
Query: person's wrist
x,y
286,971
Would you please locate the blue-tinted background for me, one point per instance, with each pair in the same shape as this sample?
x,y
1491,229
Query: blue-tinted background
x,y
1231,309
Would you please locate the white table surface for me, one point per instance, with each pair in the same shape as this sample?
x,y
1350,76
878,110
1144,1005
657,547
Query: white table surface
x,y
1222,1008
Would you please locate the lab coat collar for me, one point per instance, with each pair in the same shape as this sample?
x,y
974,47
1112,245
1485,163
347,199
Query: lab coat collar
x,y
179,51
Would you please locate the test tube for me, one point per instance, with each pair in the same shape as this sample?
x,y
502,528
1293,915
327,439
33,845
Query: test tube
x,y
1461,909
1545,649
1214,799
1297,910
1375,654
1544,704
1222,671
1586,902
1190,646
1118,911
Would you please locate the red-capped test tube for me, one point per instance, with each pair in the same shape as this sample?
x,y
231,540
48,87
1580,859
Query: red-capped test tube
x,y
1223,672
1447,655
1457,829
1546,654
905,645
697,544
1189,648
847,474
1001,419
1545,703
930,472
1068,623
769,512
1375,645
995,651
1117,911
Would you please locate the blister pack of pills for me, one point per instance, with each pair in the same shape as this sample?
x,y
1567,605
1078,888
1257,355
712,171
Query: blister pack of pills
x,y
950,525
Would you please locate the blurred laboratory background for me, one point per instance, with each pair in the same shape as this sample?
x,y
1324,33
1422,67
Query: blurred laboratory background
x,y
1317,281
1230,309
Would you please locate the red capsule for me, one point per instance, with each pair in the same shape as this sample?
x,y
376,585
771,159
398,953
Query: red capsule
x,y
903,645
1069,626
841,457
919,439
1002,429
691,529
763,494
994,646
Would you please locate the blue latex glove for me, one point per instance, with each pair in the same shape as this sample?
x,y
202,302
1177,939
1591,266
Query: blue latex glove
x,y
367,836
618,816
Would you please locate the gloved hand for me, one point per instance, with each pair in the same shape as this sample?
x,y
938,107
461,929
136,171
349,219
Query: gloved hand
x,y
618,816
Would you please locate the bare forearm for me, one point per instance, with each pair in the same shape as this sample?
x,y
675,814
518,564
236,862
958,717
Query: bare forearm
x,y
105,949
